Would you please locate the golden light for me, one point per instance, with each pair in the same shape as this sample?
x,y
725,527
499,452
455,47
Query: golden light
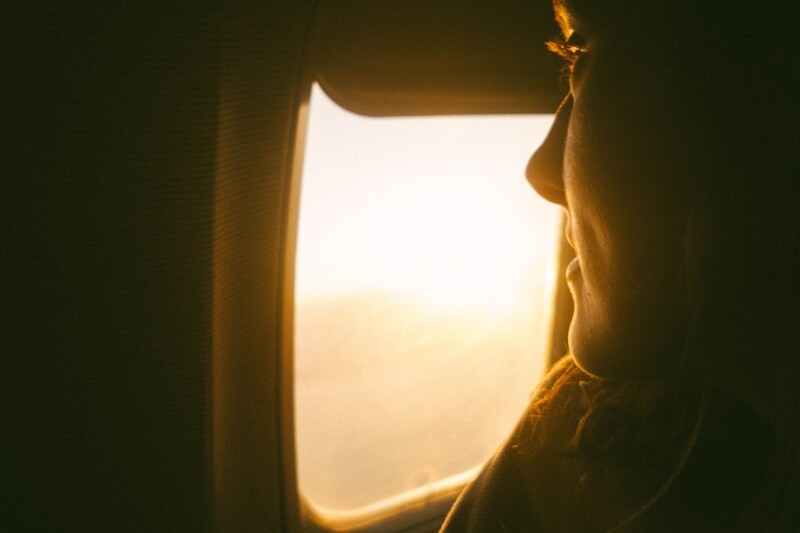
x,y
419,205
424,279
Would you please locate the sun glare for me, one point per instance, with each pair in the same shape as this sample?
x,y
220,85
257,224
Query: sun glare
x,y
425,268
420,205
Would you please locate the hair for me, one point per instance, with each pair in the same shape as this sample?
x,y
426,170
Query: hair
x,y
743,239
741,74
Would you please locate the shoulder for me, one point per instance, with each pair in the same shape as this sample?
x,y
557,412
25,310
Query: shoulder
x,y
517,487
540,481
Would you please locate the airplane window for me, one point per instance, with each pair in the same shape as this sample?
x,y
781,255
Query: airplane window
x,y
425,276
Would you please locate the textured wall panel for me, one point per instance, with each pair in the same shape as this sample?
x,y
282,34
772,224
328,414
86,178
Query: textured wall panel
x,y
109,118
261,59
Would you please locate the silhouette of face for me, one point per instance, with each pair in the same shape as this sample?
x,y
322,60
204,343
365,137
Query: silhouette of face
x,y
619,158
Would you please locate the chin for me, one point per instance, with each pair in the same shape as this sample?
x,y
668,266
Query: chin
x,y
631,360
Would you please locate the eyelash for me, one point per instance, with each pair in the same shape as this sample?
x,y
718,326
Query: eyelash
x,y
567,49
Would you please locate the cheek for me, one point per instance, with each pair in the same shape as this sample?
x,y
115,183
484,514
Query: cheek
x,y
625,164
628,214
629,305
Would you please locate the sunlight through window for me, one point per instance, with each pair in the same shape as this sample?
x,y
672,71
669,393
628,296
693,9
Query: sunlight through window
x,y
424,286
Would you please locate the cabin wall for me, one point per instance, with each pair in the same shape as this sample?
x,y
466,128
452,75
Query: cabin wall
x,y
146,149
260,96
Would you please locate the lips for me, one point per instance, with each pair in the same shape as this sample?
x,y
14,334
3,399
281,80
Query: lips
x,y
568,234
573,268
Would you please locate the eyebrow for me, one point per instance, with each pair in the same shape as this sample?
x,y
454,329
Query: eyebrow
x,y
568,12
563,16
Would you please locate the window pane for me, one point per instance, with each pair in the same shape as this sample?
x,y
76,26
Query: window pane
x,y
425,275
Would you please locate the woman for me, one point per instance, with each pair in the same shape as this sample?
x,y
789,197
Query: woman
x,y
675,155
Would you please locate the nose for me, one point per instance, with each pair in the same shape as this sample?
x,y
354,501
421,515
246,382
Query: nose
x,y
545,170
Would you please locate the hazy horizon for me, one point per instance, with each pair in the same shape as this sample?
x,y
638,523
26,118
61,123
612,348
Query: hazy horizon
x,y
425,271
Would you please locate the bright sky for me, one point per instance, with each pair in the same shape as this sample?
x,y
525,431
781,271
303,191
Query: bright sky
x,y
436,207
437,211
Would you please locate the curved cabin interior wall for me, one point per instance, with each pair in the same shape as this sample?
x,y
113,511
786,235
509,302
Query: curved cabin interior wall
x,y
148,155
138,135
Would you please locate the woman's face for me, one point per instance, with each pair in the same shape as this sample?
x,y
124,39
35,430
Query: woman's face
x,y
618,158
